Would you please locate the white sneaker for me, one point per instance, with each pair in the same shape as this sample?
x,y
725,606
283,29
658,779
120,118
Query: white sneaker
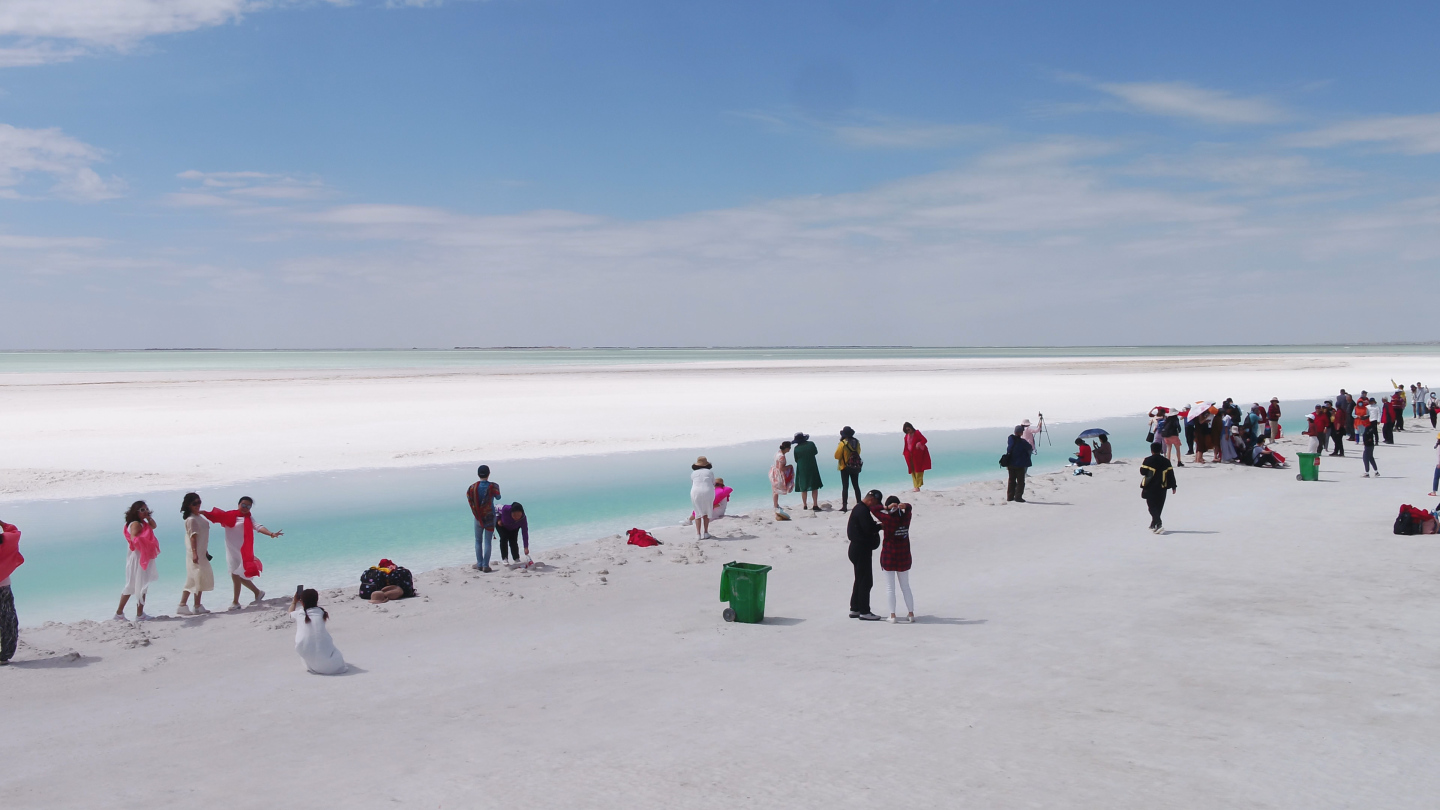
x,y
891,619
183,610
256,601
234,606
144,617
119,617
910,619
1366,475
200,610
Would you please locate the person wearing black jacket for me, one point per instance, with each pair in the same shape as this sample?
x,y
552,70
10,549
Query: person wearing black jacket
x,y
1156,476
1017,461
864,534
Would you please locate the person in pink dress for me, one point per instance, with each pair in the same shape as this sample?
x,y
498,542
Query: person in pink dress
x,y
917,455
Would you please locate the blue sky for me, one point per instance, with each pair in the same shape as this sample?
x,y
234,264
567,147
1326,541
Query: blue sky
x,y
243,173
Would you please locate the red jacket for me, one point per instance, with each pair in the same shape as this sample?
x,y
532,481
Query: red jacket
x,y
10,558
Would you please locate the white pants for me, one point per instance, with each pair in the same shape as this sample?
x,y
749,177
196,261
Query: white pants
x,y
904,577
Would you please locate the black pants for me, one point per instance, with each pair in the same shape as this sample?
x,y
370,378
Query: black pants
x,y
864,578
1387,432
509,542
1339,436
9,624
1433,416
1189,439
849,478
1368,457
1156,502
1015,489
1266,461
1324,439
1400,420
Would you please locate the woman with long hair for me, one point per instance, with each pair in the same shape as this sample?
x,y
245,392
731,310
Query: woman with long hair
x,y
782,479
199,575
140,568
917,455
312,637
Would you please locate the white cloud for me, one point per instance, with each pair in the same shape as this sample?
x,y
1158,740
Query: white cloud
x,y
34,32
219,189
872,131
1183,100
26,154
1411,134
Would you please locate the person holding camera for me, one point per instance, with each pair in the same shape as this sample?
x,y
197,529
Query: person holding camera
x,y
312,637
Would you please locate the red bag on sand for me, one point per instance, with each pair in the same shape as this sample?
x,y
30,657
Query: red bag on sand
x,y
642,538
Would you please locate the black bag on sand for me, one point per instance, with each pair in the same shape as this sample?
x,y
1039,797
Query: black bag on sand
x,y
401,576
1404,524
372,580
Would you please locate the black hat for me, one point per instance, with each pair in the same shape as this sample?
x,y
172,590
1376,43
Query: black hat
x,y
800,437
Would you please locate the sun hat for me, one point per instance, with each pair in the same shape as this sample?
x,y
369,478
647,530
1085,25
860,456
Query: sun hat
x,y
800,437
701,463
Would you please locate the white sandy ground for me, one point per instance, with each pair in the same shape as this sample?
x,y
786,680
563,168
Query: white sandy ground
x,y
1276,650
91,434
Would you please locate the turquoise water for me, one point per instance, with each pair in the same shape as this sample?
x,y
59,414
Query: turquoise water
x,y
337,524
206,360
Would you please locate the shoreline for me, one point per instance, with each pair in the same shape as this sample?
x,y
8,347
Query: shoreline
x,y
81,434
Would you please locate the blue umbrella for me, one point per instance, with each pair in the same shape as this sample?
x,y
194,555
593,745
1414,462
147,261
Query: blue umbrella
x,y
1093,432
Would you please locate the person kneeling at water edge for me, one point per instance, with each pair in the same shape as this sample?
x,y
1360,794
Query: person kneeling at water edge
x,y
864,535
312,637
1156,476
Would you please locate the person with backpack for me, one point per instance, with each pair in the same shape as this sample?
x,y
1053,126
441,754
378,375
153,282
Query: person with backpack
x,y
1156,477
512,526
482,496
1016,461
312,638
917,455
807,472
895,552
10,559
1170,436
847,454
864,535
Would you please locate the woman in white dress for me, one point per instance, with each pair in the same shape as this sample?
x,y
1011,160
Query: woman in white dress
x,y
702,496
782,479
199,576
312,637
140,568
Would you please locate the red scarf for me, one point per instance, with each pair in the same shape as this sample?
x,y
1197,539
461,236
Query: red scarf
x,y
247,546
10,558
145,543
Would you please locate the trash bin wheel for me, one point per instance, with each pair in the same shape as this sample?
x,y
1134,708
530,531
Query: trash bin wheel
x,y
729,614
1299,478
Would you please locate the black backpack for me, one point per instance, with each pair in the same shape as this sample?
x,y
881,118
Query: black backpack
x,y
401,576
1404,524
372,580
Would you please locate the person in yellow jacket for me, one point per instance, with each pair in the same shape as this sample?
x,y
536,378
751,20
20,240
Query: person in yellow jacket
x,y
847,455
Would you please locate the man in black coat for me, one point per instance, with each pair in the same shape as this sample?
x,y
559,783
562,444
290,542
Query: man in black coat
x,y
1156,476
864,534
1017,452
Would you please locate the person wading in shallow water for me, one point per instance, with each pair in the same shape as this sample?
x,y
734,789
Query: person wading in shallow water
x,y
1156,476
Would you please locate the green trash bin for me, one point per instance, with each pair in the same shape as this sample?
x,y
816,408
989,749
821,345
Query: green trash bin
x,y
1309,467
743,586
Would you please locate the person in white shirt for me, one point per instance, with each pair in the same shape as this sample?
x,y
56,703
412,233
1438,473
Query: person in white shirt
x,y
312,637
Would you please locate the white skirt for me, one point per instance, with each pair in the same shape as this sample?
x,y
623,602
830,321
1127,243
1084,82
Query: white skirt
x,y
704,501
137,579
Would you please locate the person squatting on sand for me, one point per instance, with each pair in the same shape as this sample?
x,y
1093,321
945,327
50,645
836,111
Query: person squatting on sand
x,y
1016,461
894,520
807,472
864,535
140,568
1156,476
481,496
847,455
1104,452
199,575
10,559
702,496
782,480
511,524
312,637
917,455
240,529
